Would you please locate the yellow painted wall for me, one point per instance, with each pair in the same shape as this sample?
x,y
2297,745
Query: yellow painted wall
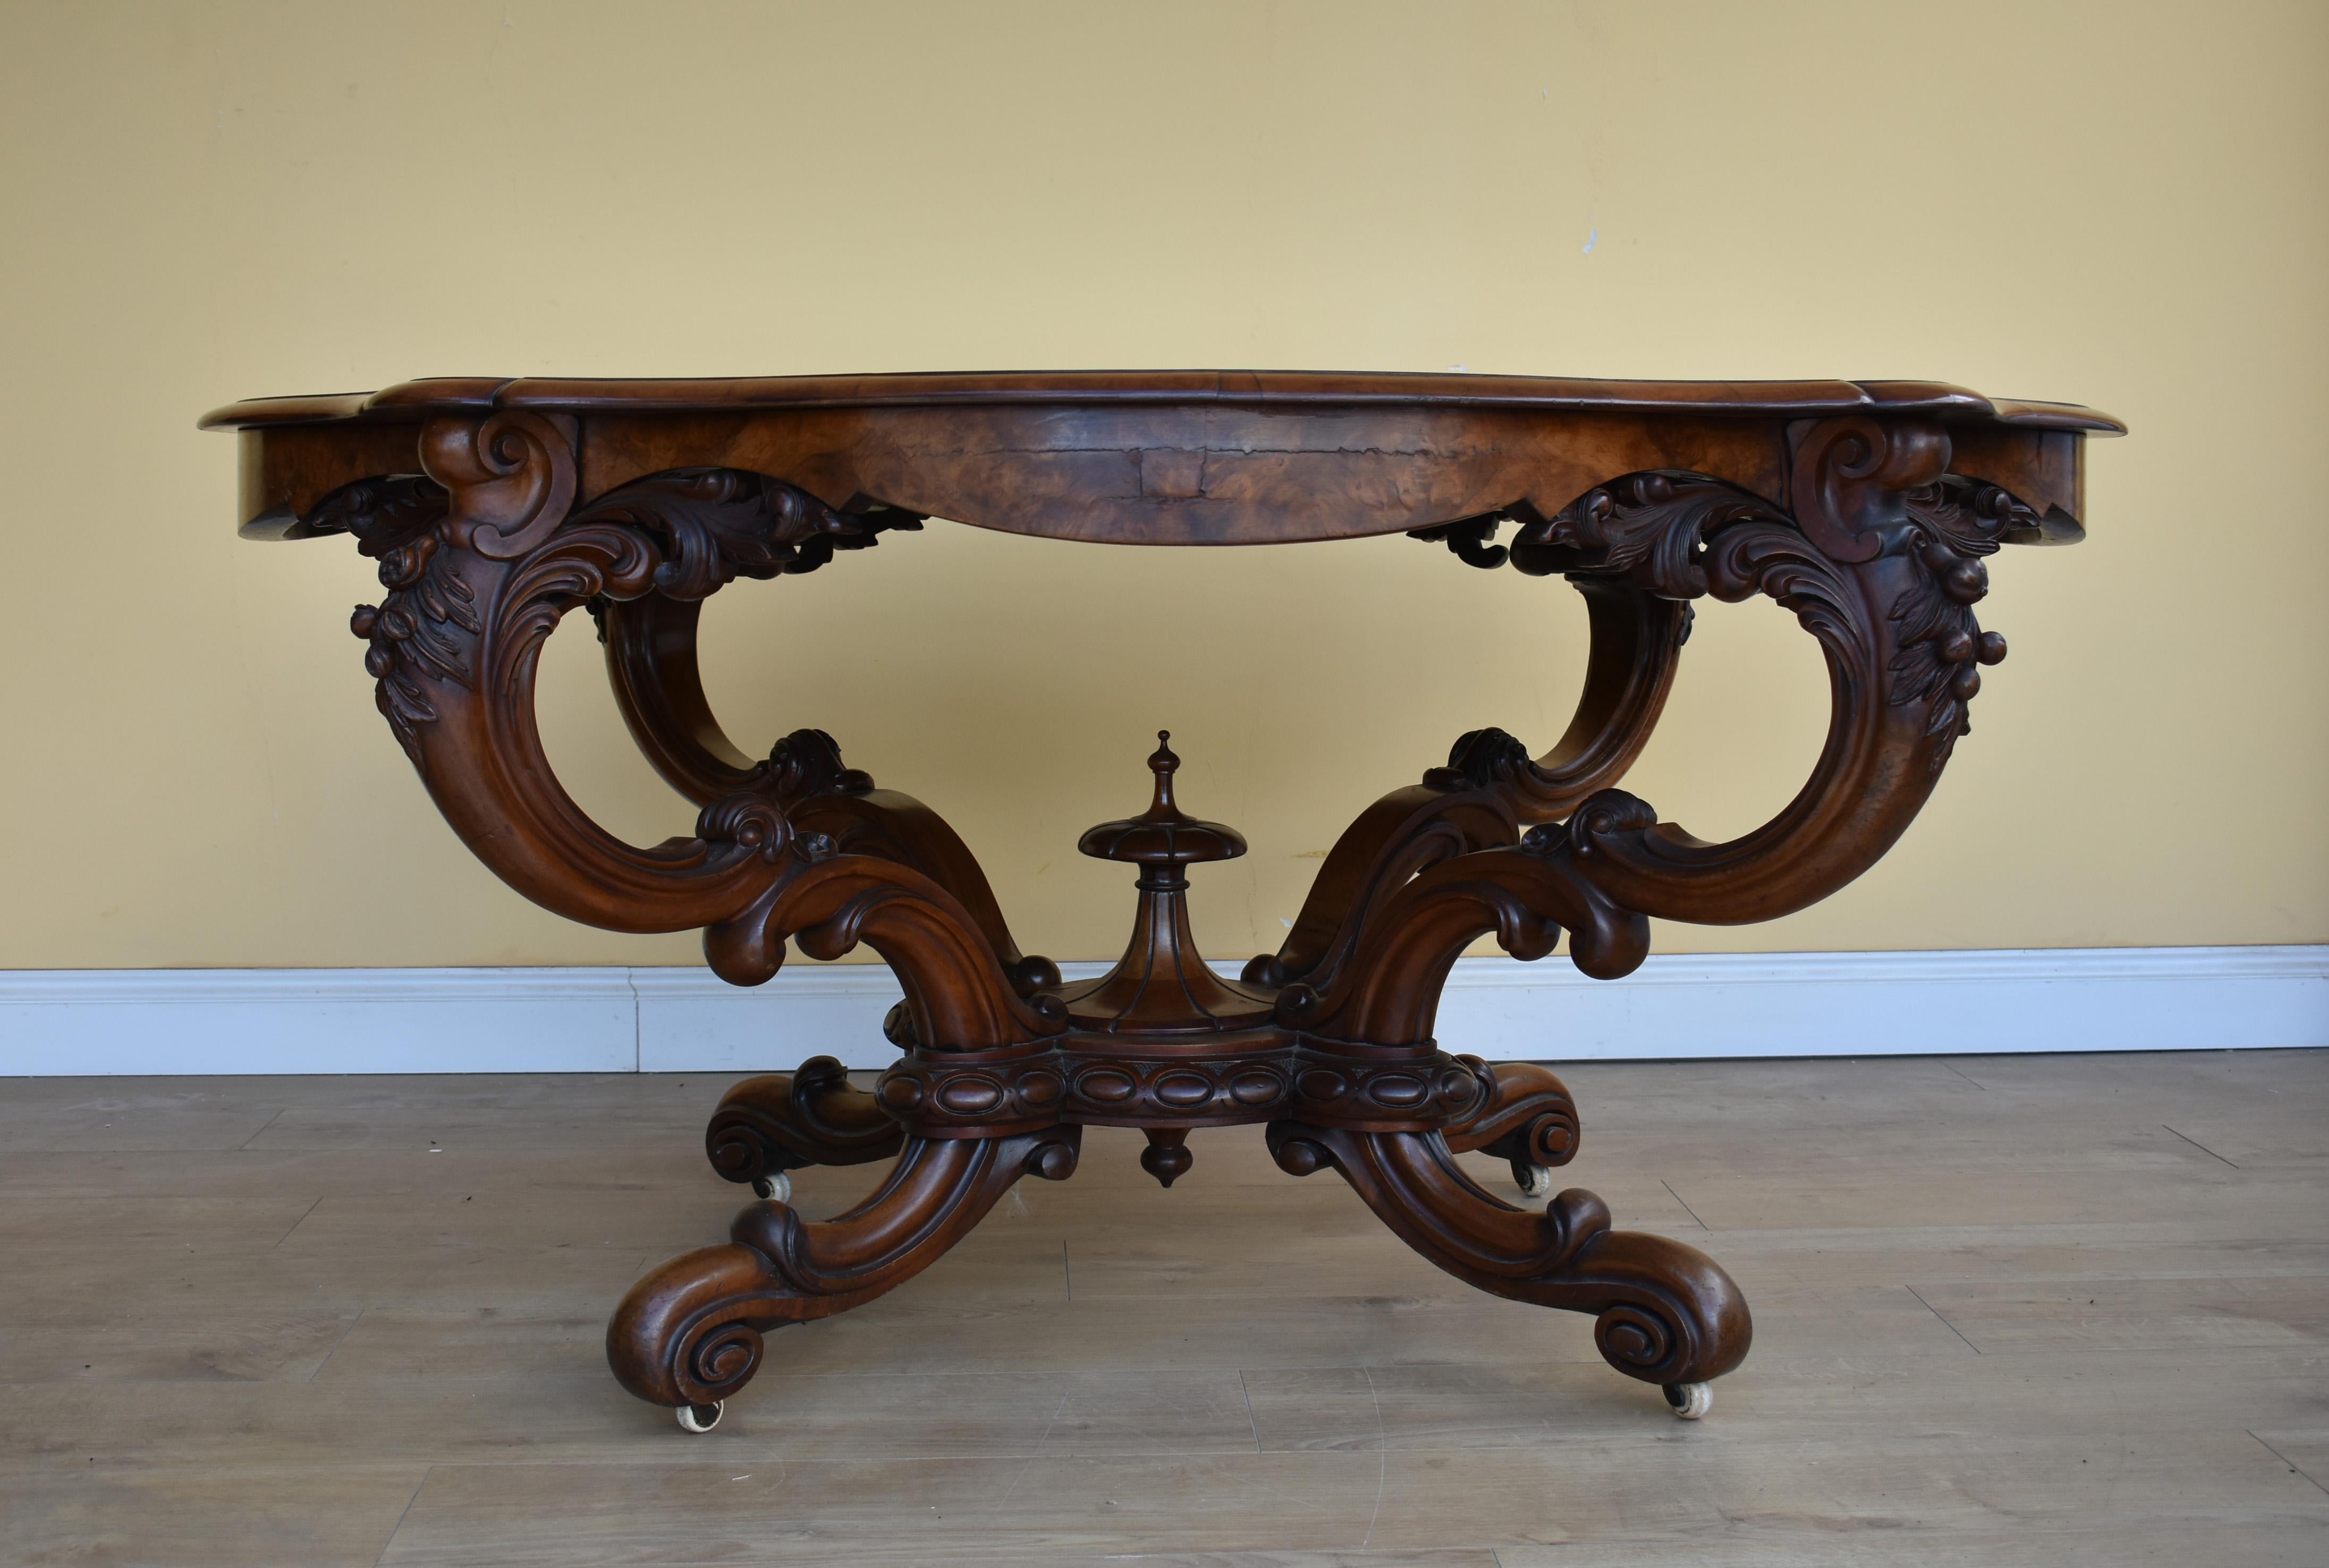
x,y
2117,203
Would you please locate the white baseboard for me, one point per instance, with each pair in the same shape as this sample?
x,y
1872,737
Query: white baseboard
x,y
665,1020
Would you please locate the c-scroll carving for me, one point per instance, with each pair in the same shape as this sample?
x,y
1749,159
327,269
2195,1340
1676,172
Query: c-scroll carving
x,y
714,525
958,996
720,525
477,584
475,590
1529,1118
1405,833
1880,563
691,1331
783,1122
511,477
1388,992
1663,1312
1637,638
1491,788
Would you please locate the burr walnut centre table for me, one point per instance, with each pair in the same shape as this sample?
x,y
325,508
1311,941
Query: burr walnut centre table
x,y
493,507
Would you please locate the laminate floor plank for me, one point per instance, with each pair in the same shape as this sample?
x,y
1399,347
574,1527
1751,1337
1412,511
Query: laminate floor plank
x,y
2306,1451
1512,1404
93,1115
1878,1255
175,1339
577,1413
2283,1311
2128,1146
176,1220
1688,1487
310,1517
2266,1544
2008,1311
2278,1201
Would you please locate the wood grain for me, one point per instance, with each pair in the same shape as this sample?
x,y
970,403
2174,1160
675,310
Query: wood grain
x,y
1156,458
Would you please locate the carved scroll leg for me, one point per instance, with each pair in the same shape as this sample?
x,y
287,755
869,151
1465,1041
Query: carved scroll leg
x,y
1663,1312
1528,1119
689,1335
783,1122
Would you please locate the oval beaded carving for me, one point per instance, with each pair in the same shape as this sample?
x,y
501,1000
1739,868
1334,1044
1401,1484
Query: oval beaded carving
x,y
1107,1085
1397,1091
1183,1090
1322,1084
968,1096
1257,1088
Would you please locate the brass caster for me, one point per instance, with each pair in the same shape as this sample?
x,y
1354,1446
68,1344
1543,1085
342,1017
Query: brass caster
x,y
704,1417
777,1184
1535,1181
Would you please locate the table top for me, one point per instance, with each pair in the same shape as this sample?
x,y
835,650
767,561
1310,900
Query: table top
x,y
1292,389
1170,456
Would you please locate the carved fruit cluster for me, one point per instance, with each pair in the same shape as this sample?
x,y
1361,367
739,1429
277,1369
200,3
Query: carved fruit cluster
x,y
1953,525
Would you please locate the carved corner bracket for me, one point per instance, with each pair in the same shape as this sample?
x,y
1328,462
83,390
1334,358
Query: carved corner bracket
x,y
487,550
1879,550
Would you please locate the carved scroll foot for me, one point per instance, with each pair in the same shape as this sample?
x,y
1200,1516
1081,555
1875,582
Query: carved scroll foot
x,y
782,1121
1530,1121
1663,1312
691,1332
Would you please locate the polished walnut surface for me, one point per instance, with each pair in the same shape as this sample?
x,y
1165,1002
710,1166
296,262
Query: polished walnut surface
x,y
1868,511
1163,457
454,395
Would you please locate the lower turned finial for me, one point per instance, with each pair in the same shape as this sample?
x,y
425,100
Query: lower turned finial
x,y
1167,1156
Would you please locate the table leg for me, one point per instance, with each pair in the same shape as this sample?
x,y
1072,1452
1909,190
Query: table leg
x,y
1529,1121
1663,1312
797,848
691,1332
782,1121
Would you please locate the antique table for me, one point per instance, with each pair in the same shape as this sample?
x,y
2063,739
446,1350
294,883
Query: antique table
x,y
494,507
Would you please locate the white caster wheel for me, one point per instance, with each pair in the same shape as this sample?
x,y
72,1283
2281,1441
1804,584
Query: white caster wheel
x,y
1533,1180
776,1184
1690,1400
704,1417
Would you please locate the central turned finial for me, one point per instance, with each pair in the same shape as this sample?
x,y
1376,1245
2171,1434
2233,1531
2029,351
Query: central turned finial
x,y
1161,987
1164,763
1161,839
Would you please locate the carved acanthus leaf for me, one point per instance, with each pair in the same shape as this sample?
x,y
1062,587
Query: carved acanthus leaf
x,y
1649,526
717,525
422,630
808,762
1471,540
381,512
1481,757
682,534
1682,536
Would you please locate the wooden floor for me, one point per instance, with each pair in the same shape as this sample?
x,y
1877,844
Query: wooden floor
x,y
2044,1310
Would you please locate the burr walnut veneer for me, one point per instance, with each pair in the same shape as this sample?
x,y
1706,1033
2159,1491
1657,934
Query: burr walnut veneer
x,y
494,507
